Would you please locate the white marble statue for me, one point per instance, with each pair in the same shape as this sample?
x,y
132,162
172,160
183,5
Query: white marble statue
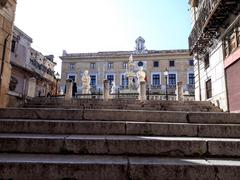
x,y
113,88
130,72
141,75
86,83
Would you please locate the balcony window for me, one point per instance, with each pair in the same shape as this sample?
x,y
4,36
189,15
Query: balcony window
x,y
125,65
191,62
124,80
206,61
171,63
110,78
209,89
191,78
72,67
93,80
233,42
155,64
92,65
172,79
156,79
72,77
110,65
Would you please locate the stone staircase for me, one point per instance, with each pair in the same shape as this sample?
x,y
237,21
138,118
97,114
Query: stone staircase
x,y
94,143
128,104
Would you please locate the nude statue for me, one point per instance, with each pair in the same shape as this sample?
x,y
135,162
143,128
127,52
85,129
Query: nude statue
x,y
86,83
113,88
141,75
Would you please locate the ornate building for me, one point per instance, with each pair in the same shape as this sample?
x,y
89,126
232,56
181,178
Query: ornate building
x,y
113,66
32,74
214,42
7,15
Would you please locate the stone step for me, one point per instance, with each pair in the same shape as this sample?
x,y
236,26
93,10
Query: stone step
x,y
50,166
119,145
123,104
120,115
113,101
119,128
132,107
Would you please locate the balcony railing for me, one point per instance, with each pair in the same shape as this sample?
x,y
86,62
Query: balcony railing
x,y
212,15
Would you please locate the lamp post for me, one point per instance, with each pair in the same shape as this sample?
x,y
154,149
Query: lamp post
x,y
166,78
57,76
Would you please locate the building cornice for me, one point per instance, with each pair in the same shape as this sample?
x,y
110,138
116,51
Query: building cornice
x,y
124,54
19,32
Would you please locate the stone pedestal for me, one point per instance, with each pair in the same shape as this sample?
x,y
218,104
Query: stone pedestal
x,y
69,85
180,96
105,90
31,87
142,93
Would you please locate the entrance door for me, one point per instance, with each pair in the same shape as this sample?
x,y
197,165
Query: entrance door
x,y
233,86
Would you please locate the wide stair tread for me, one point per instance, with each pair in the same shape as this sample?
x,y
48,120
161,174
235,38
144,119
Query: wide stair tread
x,y
119,128
47,166
120,145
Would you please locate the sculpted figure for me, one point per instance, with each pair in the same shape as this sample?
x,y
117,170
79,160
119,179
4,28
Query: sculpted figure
x,y
86,83
141,75
113,88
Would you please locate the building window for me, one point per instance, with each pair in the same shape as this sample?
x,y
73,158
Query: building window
x,y
92,65
233,41
191,78
71,67
72,77
93,80
172,63
191,62
155,64
110,65
156,79
140,63
209,89
110,78
124,80
172,79
206,61
13,46
125,65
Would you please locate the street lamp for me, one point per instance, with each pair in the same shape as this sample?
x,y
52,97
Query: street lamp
x,y
57,76
166,77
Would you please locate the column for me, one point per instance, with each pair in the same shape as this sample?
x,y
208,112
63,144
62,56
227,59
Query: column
x,y
31,87
142,94
69,86
105,90
180,96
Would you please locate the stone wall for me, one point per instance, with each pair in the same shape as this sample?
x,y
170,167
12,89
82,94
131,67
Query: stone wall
x,y
215,72
7,14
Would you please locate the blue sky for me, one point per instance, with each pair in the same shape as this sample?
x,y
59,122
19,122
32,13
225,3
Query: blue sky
x,y
103,25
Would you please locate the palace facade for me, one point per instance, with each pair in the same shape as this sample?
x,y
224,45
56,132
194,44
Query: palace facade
x,y
113,66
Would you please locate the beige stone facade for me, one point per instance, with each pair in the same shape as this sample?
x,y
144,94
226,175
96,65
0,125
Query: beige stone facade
x,y
113,66
7,14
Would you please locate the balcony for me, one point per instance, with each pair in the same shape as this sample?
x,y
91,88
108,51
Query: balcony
x,y
213,15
